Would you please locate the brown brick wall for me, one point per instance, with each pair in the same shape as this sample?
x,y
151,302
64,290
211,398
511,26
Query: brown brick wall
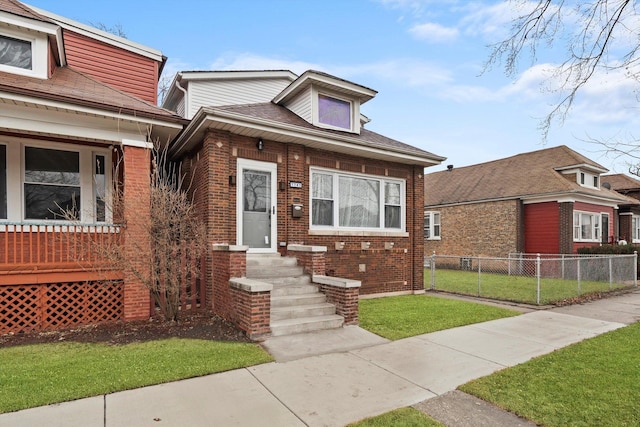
x,y
480,229
566,227
626,228
345,300
386,270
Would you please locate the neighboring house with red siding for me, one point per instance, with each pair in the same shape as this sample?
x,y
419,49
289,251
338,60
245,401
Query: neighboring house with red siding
x,y
548,201
63,127
285,167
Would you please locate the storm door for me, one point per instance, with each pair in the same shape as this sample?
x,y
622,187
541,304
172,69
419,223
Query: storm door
x,y
257,205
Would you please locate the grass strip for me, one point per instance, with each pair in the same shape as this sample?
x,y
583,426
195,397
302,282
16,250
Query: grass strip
x,y
514,288
591,383
403,417
404,316
43,374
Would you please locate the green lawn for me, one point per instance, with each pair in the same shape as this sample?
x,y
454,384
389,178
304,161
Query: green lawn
x,y
592,383
513,288
403,417
42,374
405,316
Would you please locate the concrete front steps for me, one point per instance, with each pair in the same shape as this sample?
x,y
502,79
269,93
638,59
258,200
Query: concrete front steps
x,y
296,304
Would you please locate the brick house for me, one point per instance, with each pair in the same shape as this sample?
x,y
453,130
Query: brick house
x,y
628,226
284,167
75,100
548,201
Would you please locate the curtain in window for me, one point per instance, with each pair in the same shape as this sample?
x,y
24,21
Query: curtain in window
x,y
392,207
322,199
359,202
15,52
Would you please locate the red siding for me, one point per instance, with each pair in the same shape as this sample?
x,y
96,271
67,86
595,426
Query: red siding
x,y
119,68
542,228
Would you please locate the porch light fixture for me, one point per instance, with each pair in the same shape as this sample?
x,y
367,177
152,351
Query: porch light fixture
x,y
260,144
232,180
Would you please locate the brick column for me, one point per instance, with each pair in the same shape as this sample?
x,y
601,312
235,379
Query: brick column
x,y
415,226
566,228
311,258
228,261
137,245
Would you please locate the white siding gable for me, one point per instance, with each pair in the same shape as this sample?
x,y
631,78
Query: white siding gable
x,y
215,93
302,104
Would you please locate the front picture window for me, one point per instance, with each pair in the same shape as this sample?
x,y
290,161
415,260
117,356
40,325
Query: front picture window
x,y
51,184
15,52
351,201
586,226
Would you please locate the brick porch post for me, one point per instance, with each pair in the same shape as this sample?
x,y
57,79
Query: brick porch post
x,y
137,246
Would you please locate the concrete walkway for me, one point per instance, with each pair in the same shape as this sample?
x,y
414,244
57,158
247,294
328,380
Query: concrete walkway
x,y
360,376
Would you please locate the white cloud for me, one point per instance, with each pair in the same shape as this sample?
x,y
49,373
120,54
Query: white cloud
x,y
433,32
250,61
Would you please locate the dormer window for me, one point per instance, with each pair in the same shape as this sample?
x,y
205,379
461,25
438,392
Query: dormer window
x,y
334,112
15,52
24,52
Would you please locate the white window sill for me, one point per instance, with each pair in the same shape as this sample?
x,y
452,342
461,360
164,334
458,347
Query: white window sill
x,y
358,233
433,238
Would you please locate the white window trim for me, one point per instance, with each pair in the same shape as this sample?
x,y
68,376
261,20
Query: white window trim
x,y
15,181
596,226
39,54
588,180
431,215
354,111
381,179
635,229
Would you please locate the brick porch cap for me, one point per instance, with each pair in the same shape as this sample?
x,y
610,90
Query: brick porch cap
x,y
524,175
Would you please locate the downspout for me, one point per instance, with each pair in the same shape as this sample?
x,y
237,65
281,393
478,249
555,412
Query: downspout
x,y
186,97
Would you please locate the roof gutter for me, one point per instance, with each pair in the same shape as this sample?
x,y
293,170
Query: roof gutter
x,y
199,123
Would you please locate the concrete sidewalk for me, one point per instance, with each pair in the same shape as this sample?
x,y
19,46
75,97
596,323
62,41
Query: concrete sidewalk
x,y
346,385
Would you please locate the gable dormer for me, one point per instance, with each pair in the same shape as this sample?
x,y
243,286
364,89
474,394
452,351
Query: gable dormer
x,y
25,40
326,101
584,175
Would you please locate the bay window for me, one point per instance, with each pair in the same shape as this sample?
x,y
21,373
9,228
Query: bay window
x,y
353,201
586,226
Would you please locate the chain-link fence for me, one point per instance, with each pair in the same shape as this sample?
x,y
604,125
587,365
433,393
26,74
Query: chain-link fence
x,y
531,278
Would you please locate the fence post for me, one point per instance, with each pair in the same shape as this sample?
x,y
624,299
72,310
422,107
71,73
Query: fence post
x,y
635,269
610,273
562,266
538,279
579,284
433,270
479,272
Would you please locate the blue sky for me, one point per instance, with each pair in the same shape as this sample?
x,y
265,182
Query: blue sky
x,y
425,59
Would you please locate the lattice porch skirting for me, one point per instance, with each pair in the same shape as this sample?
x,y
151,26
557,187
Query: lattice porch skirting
x,y
26,308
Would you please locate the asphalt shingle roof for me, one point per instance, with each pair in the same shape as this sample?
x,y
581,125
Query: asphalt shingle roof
x,y
523,175
271,111
73,87
621,181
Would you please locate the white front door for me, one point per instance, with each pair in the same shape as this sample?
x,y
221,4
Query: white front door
x,y
256,205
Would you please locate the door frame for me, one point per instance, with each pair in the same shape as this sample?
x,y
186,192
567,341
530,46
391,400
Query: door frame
x,y
243,164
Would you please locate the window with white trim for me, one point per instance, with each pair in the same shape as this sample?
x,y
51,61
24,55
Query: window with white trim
x,y
432,225
48,182
586,226
24,53
334,113
354,201
635,225
3,181
15,52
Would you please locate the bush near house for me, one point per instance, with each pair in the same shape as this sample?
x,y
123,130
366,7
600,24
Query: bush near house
x,y
612,250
